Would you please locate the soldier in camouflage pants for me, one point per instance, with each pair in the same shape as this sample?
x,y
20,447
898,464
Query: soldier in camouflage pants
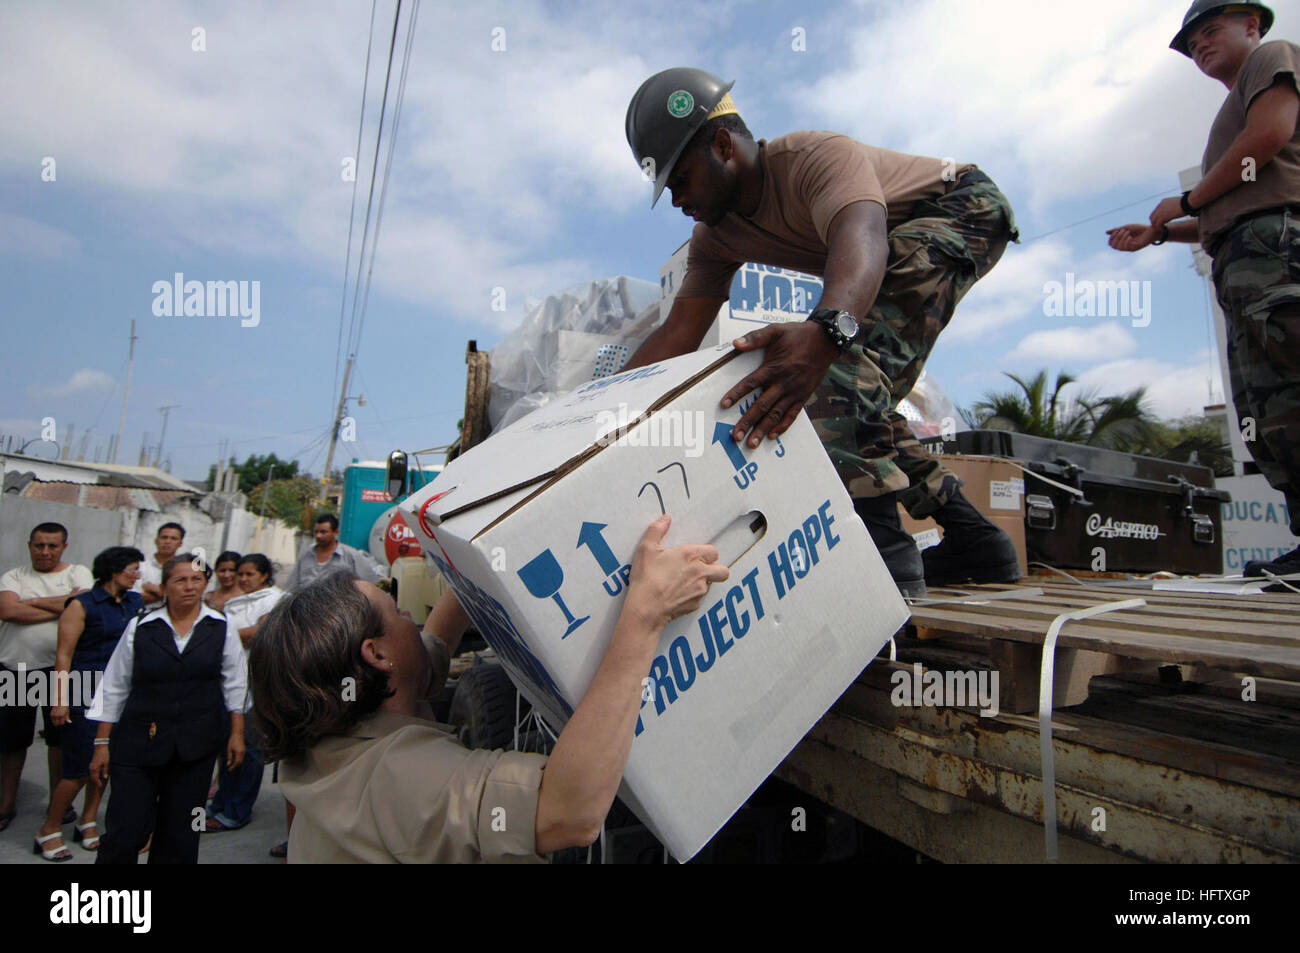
x,y
934,258
1257,277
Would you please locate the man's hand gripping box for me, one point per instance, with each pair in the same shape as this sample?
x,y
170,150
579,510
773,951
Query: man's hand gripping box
x,y
535,529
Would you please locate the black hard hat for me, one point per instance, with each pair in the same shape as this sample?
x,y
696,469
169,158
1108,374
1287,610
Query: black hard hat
x,y
1204,9
665,113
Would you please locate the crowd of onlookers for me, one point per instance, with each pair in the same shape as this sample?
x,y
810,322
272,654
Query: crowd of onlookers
x,y
164,642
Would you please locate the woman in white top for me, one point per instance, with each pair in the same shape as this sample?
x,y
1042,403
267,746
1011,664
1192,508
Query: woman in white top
x,y
232,806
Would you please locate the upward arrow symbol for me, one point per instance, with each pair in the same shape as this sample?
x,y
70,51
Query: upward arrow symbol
x,y
722,435
590,536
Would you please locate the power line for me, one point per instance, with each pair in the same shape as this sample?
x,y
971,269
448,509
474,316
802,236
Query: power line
x,y
358,322
268,436
388,163
347,261
374,174
1093,218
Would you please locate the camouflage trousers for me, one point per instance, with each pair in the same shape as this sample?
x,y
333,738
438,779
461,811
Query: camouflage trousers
x,y
1257,277
935,257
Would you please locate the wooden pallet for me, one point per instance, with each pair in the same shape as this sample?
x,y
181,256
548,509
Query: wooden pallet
x,y
1157,755
1207,636
1147,772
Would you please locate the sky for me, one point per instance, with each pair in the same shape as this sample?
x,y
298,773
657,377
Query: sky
x,y
212,140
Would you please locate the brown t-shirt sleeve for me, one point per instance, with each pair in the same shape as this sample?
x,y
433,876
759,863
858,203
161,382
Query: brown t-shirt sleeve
x,y
1274,61
708,268
437,802
832,174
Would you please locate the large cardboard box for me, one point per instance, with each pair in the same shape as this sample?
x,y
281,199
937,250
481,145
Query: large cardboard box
x,y
535,528
760,294
995,487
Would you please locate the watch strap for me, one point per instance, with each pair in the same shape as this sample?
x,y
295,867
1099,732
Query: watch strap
x,y
828,319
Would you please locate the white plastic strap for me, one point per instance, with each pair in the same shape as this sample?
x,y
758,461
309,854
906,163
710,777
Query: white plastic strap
x,y
979,598
1045,679
1039,476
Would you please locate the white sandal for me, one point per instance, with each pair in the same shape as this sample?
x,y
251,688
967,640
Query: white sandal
x,y
58,854
79,836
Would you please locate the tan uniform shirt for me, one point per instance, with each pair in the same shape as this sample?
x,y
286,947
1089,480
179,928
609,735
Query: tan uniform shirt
x,y
808,177
398,789
1278,182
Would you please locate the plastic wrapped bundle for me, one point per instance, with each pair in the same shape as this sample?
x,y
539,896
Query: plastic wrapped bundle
x,y
591,330
929,411
582,333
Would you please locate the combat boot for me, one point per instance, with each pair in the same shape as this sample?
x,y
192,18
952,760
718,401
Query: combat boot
x,y
972,549
897,547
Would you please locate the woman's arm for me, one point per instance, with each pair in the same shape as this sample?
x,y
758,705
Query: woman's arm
x,y
234,675
71,624
582,775
99,760
447,621
115,687
235,743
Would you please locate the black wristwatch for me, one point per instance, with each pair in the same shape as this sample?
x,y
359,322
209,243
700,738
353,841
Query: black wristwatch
x,y
1186,203
840,325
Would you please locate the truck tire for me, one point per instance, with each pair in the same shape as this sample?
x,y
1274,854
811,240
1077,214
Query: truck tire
x,y
483,708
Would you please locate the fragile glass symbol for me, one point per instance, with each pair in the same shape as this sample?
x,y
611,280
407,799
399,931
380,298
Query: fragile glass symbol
x,y
543,577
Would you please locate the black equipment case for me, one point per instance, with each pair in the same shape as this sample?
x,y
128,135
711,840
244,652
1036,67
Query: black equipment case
x,y
1129,513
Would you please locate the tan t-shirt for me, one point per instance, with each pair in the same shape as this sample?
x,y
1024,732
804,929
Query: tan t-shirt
x,y
808,177
1278,182
398,789
35,644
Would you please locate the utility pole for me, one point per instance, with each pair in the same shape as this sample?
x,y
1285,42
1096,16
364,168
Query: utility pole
x,y
126,392
165,411
334,435
266,489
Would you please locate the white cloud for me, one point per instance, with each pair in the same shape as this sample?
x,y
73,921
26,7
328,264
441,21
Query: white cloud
x,y
27,238
84,381
1016,289
19,425
1172,390
1058,99
1075,346
240,148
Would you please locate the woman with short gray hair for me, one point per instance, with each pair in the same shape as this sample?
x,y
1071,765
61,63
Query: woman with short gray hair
x,y
340,682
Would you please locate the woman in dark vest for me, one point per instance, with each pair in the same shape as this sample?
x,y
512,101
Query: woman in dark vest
x,y
175,673
88,632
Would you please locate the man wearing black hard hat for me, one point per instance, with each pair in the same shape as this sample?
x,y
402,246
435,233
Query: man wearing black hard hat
x,y
898,240
1245,213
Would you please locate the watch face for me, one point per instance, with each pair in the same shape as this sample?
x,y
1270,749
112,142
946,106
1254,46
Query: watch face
x,y
846,324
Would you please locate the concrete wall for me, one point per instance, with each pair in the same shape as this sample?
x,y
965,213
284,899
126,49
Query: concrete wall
x,y
279,543
89,530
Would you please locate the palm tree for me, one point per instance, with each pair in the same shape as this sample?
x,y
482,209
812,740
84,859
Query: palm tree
x,y
1116,422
